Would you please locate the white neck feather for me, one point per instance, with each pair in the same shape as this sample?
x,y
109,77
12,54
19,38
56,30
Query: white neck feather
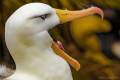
x,y
26,50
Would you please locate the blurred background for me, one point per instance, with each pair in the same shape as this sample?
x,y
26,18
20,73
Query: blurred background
x,y
94,42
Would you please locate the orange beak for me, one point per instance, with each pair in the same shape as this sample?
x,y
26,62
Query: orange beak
x,y
65,16
65,56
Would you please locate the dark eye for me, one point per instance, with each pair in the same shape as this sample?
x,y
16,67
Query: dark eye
x,y
43,17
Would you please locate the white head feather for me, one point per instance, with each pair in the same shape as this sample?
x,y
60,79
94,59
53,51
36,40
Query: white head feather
x,y
28,17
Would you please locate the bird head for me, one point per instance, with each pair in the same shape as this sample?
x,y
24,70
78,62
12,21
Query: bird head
x,y
29,24
42,17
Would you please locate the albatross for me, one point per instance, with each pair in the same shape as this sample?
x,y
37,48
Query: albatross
x,y
36,55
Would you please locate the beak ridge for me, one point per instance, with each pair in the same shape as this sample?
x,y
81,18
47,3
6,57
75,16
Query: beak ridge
x,y
66,16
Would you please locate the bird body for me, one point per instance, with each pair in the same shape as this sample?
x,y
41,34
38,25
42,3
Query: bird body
x,y
26,42
35,54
